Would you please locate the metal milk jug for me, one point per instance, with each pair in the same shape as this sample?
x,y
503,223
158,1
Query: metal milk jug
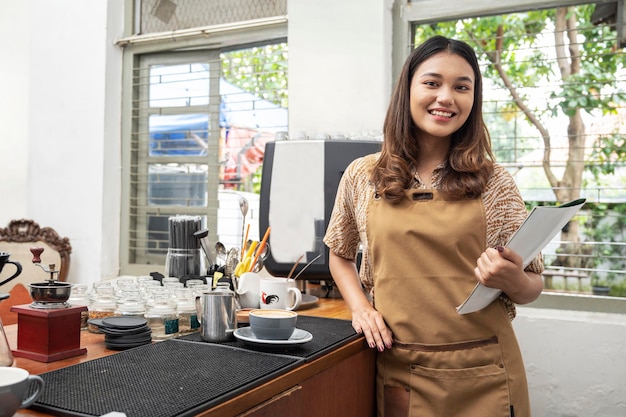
x,y
217,314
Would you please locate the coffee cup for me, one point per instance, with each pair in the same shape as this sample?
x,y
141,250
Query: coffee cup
x,y
272,324
14,384
279,293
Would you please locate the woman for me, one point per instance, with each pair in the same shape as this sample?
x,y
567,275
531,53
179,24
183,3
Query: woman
x,y
432,213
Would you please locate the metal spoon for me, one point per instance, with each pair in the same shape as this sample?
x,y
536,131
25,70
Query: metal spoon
x,y
262,257
231,261
243,206
220,253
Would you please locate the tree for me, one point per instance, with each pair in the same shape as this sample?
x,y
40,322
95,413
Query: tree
x,y
579,65
260,70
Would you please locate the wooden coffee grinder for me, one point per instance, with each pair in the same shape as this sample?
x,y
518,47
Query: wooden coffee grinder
x,y
48,329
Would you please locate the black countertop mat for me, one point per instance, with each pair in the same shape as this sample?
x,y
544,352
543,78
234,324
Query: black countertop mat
x,y
163,379
327,335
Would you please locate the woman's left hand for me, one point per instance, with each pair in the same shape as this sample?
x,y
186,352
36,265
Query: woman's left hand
x,y
502,268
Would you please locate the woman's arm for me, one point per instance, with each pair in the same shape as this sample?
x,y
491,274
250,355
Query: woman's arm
x,y
365,318
502,268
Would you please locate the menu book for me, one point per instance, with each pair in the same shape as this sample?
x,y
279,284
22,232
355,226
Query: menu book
x,y
541,225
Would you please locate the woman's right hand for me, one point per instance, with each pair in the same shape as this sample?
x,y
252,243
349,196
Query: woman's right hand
x,y
366,320
370,323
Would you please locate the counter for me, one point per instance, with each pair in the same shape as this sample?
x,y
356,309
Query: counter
x,y
336,382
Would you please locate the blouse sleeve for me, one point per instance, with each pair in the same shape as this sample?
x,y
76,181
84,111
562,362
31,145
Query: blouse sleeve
x,y
508,213
342,234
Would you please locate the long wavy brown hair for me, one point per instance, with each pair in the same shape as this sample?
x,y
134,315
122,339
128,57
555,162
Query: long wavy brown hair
x,y
470,159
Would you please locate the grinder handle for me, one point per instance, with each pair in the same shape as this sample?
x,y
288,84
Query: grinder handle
x,y
36,254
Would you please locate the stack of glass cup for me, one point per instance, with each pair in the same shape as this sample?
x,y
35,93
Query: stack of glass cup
x,y
168,305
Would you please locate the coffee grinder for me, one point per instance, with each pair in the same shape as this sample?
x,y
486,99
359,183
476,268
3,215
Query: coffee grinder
x,y
48,329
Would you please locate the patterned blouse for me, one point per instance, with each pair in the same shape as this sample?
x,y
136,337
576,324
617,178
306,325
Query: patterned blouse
x,y
346,233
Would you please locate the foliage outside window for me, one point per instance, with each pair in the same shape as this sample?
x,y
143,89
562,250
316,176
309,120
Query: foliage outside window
x,y
555,101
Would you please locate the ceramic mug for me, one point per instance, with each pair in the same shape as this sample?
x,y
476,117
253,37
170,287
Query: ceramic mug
x,y
279,293
14,384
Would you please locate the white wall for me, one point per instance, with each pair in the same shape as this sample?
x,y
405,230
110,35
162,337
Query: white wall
x,y
60,113
14,73
339,66
575,361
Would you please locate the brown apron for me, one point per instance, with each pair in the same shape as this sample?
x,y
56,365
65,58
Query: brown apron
x,y
442,364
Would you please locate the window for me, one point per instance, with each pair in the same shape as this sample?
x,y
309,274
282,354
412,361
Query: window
x,y
196,119
555,104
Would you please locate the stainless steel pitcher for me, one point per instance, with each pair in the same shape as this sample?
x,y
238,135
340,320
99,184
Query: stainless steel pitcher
x,y
217,314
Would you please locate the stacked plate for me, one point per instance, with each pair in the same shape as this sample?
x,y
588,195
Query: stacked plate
x,y
125,332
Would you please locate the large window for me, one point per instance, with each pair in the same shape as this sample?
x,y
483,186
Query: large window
x,y
555,104
197,115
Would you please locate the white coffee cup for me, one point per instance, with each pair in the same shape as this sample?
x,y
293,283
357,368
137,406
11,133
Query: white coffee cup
x,y
14,384
279,293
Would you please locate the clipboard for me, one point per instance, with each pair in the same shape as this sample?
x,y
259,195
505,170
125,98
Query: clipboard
x,y
540,226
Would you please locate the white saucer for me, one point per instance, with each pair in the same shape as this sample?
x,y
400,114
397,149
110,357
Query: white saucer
x,y
298,337
308,300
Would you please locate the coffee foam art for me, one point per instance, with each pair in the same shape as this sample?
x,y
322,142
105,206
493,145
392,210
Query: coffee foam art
x,y
273,313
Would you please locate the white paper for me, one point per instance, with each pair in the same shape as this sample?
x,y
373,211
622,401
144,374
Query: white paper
x,y
541,225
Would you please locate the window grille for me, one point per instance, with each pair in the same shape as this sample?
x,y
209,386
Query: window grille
x,y
199,125
169,15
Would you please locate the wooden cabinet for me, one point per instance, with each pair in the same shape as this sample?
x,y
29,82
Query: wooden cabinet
x,y
346,389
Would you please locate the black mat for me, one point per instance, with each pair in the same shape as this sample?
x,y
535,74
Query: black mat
x,y
164,379
327,335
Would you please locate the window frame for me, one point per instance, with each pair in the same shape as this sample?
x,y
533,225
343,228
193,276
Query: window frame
x,y
221,37
419,12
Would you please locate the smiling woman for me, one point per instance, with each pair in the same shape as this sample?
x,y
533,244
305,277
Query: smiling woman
x,y
425,209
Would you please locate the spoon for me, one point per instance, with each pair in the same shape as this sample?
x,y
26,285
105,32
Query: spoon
x,y
231,261
260,262
220,253
243,206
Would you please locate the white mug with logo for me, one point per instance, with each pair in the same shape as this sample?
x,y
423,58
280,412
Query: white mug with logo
x,y
14,384
279,293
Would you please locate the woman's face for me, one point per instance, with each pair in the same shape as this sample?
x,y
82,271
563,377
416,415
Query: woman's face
x,y
442,95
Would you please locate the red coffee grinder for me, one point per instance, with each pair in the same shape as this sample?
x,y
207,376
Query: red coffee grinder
x,y
48,329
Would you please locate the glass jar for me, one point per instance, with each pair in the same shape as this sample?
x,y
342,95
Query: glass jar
x,y
131,305
102,306
186,309
193,282
96,286
79,296
162,318
184,262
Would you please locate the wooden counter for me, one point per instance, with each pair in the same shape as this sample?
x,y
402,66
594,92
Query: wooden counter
x,y
340,383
